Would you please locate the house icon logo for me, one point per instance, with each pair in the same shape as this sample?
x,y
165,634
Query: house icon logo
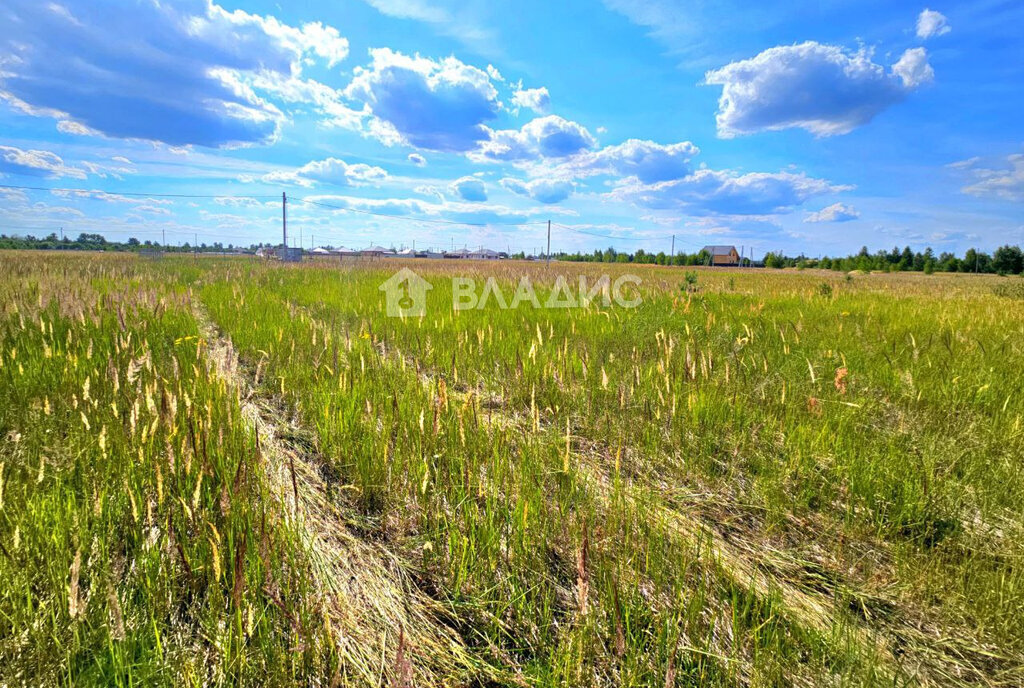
x,y
406,294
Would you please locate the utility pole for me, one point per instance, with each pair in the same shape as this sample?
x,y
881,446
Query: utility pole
x,y
284,219
673,249
163,238
62,234
548,255
195,246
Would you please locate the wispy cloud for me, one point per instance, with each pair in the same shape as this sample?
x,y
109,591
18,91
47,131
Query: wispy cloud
x,y
460,21
36,163
1004,182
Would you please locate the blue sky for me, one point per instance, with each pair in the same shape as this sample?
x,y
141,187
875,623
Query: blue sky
x,y
806,127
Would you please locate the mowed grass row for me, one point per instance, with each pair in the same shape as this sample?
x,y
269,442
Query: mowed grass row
x,y
489,520
137,544
509,524
883,418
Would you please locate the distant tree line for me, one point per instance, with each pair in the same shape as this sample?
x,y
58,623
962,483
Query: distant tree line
x,y
610,255
97,242
1007,260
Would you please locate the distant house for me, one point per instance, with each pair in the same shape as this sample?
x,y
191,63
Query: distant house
x,y
319,251
483,254
722,255
429,254
460,253
343,252
406,253
376,252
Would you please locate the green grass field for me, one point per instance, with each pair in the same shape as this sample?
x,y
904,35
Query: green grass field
x,y
222,471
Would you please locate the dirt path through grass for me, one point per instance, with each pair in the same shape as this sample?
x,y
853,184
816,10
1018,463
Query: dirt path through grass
x,y
385,629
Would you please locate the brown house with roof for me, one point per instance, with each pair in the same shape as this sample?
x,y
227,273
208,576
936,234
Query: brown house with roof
x,y
722,255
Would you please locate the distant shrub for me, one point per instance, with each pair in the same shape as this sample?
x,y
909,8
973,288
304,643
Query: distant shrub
x,y
825,289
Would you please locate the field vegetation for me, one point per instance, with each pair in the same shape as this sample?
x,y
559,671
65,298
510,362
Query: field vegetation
x,y
218,470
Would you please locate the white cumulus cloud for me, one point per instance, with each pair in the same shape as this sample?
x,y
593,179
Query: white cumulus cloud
x,y
837,212
434,105
821,88
537,99
181,72
469,189
329,171
709,191
931,23
542,190
648,161
544,137
913,68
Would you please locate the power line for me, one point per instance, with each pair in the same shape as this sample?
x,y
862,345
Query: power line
x,y
410,218
264,197
610,236
134,194
434,220
94,227
643,239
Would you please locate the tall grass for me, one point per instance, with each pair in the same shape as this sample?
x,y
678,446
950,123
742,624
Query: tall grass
x,y
748,479
137,546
